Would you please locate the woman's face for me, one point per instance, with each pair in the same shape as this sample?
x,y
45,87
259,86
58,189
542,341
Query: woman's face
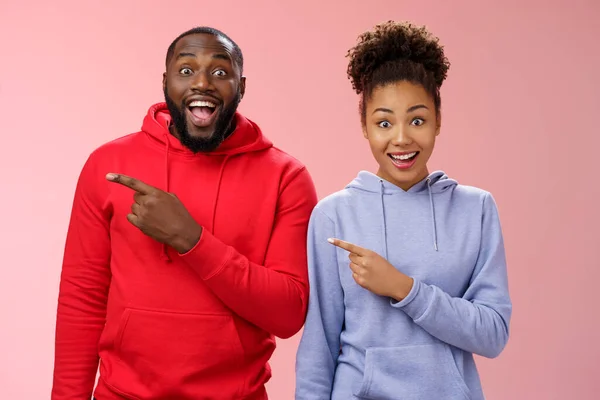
x,y
401,126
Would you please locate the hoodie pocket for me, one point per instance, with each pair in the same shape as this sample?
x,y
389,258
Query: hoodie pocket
x,y
167,352
413,372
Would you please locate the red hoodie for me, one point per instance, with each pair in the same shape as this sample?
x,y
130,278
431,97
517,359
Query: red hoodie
x,y
194,326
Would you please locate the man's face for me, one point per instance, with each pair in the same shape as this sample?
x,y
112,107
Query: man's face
x,y
203,87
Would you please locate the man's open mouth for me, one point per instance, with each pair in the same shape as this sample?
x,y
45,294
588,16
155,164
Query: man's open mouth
x,y
202,113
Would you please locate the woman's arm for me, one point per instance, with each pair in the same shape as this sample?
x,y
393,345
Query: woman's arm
x,y
320,344
477,322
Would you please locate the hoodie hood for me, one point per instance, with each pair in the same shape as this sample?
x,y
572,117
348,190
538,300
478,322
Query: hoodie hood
x,y
437,182
247,137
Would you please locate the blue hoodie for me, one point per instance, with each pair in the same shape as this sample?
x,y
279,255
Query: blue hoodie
x,y
356,344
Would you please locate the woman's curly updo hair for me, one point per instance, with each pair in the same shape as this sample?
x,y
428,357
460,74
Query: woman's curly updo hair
x,y
397,51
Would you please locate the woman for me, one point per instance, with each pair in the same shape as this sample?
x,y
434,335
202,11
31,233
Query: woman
x,y
407,268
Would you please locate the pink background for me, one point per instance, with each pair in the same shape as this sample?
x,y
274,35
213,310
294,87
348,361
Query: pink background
x,y
520,119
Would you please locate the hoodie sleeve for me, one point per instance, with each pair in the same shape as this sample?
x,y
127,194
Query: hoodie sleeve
x,y
271,296
478,322
319,347
83,292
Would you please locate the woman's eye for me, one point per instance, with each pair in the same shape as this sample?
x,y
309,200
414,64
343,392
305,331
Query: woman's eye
x,y
220,72
384,124
185,71
417,122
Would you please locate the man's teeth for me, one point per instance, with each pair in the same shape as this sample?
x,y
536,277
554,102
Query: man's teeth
x,y
199,103
403,156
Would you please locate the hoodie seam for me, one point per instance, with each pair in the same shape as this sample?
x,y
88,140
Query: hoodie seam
x,y
428,307
287,154
323,213
226,260
293,176
486,195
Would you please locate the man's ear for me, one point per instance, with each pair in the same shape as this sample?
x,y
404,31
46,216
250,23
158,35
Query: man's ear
x,y
242,86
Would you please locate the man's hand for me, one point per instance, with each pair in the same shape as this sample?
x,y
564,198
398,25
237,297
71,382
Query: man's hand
x,y
160,215
375,273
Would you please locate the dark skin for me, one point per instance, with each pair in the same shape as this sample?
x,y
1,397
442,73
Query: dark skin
x,y
202,68
374,273
400,116
160,215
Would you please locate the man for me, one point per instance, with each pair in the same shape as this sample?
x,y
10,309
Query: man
x,y
186,250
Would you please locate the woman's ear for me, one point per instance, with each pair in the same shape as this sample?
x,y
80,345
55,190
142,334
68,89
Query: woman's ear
x,y
438,123
363,115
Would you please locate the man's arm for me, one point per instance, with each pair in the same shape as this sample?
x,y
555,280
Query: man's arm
x,y
83,291
272,296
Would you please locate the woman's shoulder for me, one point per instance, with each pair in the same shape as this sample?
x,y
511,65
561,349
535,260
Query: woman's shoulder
x,y
330,203
341,202
474,197
471,191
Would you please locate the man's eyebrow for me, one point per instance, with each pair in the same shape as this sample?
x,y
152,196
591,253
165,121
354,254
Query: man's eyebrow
x,y
182,55
222,56
219,56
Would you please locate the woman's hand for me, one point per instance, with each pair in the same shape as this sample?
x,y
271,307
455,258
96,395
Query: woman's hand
x,y
375,273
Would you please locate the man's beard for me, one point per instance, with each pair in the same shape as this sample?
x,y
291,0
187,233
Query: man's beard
x,y
223,124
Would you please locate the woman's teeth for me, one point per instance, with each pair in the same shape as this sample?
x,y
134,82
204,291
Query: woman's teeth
x,y
403,157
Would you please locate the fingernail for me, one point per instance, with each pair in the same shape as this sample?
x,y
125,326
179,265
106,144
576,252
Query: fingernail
x,y
111,177
330,240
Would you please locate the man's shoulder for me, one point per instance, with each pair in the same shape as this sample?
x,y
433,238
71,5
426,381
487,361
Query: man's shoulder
x,y
117,146
124,142
274,157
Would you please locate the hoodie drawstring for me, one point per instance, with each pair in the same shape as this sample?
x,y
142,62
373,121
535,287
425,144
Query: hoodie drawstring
x,y
212,227
165,251
384,227
433,222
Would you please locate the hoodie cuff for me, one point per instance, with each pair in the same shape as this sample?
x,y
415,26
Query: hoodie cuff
x,y
209,256
417,301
